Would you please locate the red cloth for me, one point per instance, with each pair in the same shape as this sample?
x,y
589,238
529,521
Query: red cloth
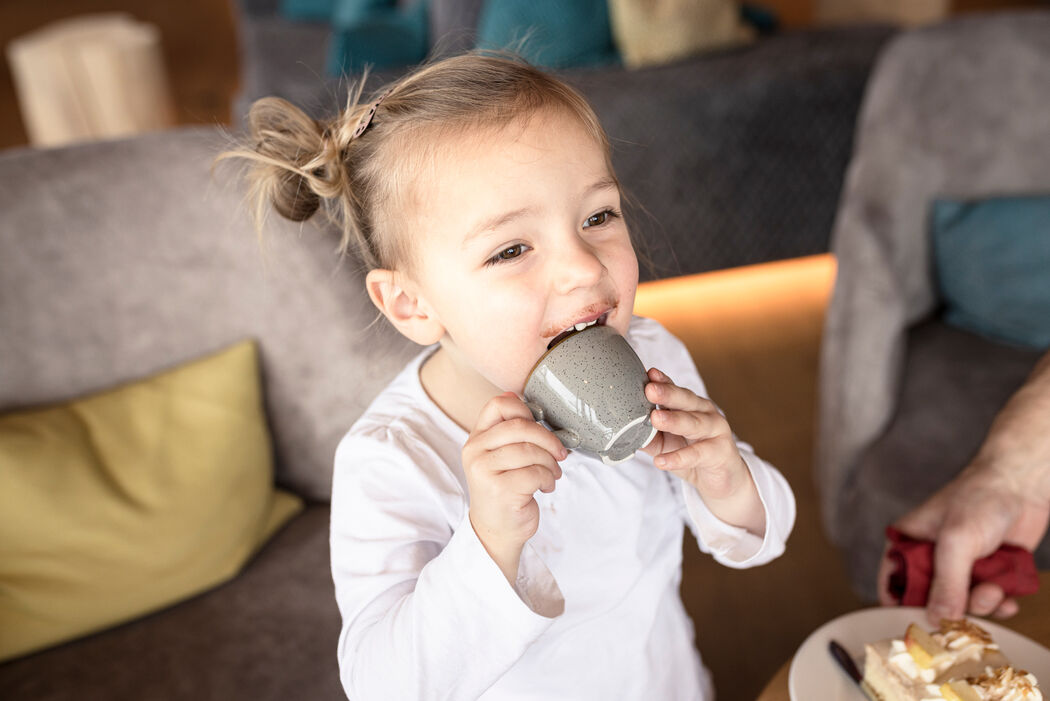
x,y
1011,567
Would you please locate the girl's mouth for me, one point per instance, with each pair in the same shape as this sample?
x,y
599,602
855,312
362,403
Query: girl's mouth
x,y
600,321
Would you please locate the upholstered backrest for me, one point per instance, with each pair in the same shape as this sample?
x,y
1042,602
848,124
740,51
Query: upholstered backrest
x,y
958,109
121,258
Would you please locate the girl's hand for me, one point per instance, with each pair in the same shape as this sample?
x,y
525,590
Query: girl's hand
x,y
507,458
694,442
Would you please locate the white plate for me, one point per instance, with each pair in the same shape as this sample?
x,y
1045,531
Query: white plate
x,y
815,675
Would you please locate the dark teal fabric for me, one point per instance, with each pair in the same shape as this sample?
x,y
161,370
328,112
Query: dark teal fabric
x,y
992,262
376,34
556,33
347,13
308,10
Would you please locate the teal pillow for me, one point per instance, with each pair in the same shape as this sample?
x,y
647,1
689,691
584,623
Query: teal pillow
x,y
376,34
308,10
337,11
992,262
557,33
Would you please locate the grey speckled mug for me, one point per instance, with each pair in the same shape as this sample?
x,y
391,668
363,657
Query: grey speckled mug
x,y
590,388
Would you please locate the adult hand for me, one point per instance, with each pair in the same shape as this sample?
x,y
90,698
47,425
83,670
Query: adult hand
x,y
968,519
1003,496
507,459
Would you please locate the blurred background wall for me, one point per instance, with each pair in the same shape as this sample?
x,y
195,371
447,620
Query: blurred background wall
x,y
198,39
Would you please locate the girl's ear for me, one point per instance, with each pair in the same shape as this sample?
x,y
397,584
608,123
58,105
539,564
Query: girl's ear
x,y
404,307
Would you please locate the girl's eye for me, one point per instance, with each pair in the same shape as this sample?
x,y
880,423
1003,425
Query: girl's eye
x,y
508,253
600,218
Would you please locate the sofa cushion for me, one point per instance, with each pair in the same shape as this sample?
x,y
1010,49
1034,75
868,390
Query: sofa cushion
x,y
268,635
991,259
549,33
121,258
307,10
125,501
649,33
376,34
953,386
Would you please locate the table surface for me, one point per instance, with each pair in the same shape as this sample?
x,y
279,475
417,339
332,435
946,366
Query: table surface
x,y
1032,621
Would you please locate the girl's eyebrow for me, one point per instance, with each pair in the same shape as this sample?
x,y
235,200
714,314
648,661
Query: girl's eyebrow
x,y
495,222
492,223
606,183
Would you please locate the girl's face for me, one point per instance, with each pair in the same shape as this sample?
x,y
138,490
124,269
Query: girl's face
x,y
517,236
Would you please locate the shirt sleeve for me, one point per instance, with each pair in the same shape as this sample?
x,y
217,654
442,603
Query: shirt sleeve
x,y
426,612
730,545
734,546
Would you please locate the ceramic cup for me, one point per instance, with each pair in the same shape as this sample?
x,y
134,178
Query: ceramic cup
x,y
590,389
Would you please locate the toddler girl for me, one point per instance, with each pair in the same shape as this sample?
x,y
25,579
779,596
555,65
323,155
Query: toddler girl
x,y
473,556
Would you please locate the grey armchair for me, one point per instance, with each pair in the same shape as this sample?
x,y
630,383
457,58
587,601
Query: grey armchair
x,y
956,110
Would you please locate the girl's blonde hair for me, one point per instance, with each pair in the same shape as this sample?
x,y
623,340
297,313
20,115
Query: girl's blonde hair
x,y
300,165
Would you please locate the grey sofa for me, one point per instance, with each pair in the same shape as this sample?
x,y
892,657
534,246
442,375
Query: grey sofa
x,y
957,110
737,156
119,259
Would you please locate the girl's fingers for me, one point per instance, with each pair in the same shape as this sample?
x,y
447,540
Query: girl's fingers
x,y
517,456
656,375
499,409
528,480
657,445
671,396
520,430
505,420
705,452
692,425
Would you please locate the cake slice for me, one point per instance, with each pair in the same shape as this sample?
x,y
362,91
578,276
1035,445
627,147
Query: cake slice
x,y
959,662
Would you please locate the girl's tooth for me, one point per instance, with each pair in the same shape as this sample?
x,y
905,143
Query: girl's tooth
x,y
581,326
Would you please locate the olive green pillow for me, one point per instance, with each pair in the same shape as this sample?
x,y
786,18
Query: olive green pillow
x,y
129,500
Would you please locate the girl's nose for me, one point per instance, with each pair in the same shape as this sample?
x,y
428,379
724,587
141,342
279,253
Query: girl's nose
x,y
577,266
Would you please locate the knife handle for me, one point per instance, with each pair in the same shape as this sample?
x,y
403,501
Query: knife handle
x,y
845,661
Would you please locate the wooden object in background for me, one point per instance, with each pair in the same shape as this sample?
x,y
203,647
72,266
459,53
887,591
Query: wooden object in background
x,y
907,13
96,76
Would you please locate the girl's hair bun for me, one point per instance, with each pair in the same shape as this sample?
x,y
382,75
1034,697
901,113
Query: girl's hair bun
x,y
293,199
358,170
293,158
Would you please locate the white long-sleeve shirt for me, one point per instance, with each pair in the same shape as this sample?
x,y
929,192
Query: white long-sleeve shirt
x,y
595,614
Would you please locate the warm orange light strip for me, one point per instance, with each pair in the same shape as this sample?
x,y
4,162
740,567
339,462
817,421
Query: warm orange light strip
x,y
782,283
774,303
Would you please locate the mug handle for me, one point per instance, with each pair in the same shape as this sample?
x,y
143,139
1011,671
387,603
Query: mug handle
x,y
569,438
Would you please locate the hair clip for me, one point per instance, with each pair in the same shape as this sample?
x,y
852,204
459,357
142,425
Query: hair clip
x,y
366,118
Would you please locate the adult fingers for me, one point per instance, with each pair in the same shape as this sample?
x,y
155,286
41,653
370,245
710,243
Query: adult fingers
x,y
1008,608
953,557
925,521
882,580
986,598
